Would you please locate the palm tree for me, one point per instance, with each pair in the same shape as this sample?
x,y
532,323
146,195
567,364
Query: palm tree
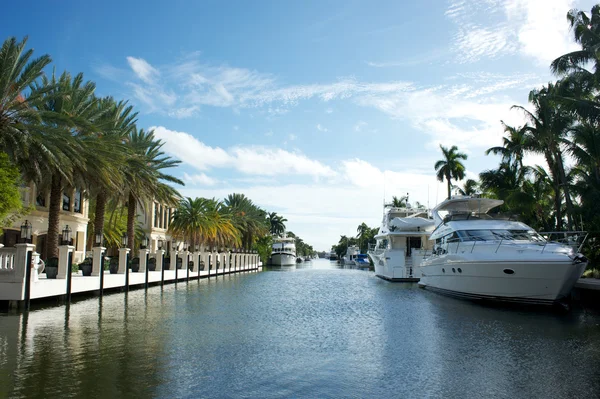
x,y
144,177
401,202
363,236
248,218
514,146
276,223
68,108
116,122
19,119
204,221
450,167
471,187
547,130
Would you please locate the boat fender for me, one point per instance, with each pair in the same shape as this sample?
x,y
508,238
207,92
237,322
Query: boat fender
x,y
579,258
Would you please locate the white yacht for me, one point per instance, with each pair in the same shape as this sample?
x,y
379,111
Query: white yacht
x,y
351,255
402,240
283,252
477,256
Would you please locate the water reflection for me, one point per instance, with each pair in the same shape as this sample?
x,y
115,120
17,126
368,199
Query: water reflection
x,y
319,331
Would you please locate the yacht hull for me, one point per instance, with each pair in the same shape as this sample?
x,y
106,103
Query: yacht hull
x,y
392,266
535,281
283,259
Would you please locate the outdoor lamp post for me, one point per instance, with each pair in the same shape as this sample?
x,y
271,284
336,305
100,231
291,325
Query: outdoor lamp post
x,y
144,242
66,240
174,246
66,235
26,232
146,271
124,245
99,236
98,241
26,239
159,243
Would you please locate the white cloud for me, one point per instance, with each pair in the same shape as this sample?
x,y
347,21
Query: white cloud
x,y
182,113
292,137
327,205
321,128
190,150
493,28
199,179
359,125
254,160
143,69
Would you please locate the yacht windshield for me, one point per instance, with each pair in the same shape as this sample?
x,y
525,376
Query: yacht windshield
x,y
499,234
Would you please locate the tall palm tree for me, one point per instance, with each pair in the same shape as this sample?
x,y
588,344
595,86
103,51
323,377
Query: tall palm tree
x,y
145,178
116,122
19,118
67,105
513,146
450,167
276,223
548,126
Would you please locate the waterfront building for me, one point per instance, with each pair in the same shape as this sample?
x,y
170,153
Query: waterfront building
x,y
153,216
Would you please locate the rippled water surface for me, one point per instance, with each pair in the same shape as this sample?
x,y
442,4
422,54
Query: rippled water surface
x,y
315,331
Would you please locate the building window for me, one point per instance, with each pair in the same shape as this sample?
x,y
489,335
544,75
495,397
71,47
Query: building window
x,y
156,215
66,202
77,202
165,216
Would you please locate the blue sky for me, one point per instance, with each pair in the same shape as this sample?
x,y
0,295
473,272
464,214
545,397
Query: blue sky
x,y
313,109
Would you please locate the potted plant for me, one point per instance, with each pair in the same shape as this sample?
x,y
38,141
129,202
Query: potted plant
x,y
167,263
201,265
86,267
114,265
152,264
134,264
179,263
51,268
191,265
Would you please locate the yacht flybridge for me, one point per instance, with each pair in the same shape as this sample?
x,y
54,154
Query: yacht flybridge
x,y
402,241
478,256
283,252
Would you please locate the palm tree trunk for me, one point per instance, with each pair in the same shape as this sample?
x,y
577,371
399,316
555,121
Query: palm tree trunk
x,y
566,191
99,216
54,215
449,186
131,205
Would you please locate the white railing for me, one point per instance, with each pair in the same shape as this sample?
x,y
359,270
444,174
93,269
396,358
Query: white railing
x,y
7,260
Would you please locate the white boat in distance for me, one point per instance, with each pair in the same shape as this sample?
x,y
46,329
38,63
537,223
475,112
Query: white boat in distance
x,y
283,252
351,255
478,257
401,241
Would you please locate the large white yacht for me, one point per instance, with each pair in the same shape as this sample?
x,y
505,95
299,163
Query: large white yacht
x,y
402,240
477,256
351,255
283,252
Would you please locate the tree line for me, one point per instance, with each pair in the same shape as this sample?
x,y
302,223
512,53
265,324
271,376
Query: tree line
x,y
562,124
56,133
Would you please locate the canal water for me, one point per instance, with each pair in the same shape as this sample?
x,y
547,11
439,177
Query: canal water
x,y
315,331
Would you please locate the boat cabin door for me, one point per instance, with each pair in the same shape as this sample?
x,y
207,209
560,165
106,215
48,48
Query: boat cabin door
x,y
412,242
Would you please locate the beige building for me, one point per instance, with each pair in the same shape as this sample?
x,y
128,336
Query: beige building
x,y
75,214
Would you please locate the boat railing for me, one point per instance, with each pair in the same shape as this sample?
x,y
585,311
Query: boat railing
x,y
454,245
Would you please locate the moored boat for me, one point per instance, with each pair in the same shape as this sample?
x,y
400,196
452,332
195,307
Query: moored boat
x,y
479,256
402,240
283,252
